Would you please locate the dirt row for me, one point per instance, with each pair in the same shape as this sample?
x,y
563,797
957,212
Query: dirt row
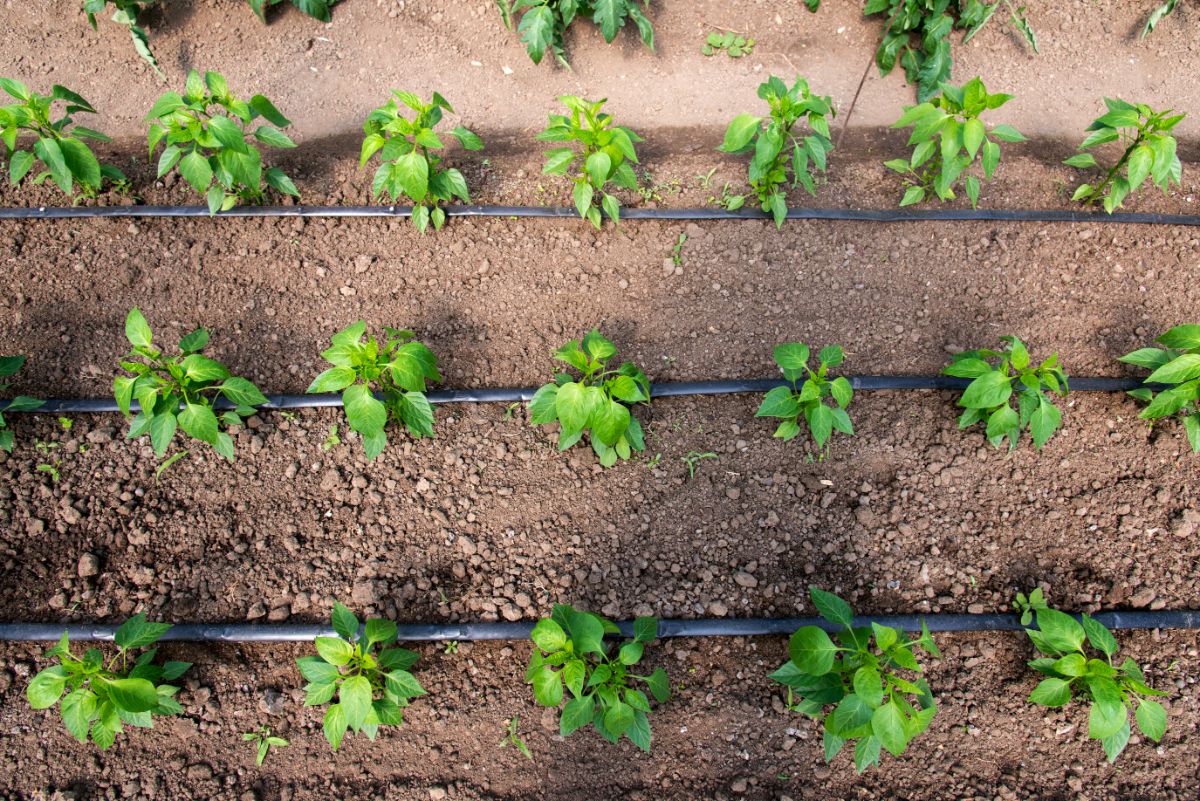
x,y
724,735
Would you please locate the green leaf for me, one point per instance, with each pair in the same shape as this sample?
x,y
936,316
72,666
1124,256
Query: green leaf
x,y
537,31
412,172
1151,719
335,725
365,413
1106,718
1178,370
78,709
198,421
48,150
344,622
868,685
1051,692
131,695
334,650
137,632
1045,421
1181,337
831,607
46,687
576,714
659,685
547,687
1061,631
618,718
549,636
812,651
740,132
987,391
1007,133
137,331
1100,637
866,753
887,724
645,629
355,698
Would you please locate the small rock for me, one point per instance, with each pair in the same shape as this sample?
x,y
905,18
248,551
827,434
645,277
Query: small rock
x,y
739,786
89,565
744,579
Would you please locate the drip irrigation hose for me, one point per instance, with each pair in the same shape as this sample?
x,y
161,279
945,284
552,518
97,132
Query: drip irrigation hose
x,y
515,394
849,215
466,632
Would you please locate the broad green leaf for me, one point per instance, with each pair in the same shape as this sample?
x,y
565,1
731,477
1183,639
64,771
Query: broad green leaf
x,y
812,651
46,687
355,698
334,650
1151,719
576,714
740,132
1051,692
131,695
831,607
549,636
887,724
987,391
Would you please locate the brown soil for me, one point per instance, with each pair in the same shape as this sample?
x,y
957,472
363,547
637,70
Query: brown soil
x,y
489,522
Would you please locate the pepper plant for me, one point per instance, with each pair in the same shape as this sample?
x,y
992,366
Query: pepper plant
x,y
598,677
869,685
807,401
917,34
58,144
1149,153
596,404
398,367
1114,690
1178,368
104,696
205,131
605,150
126,12
9,365
946,139
371,680
779,144
176,392
317,9
996,376
408,166
543,23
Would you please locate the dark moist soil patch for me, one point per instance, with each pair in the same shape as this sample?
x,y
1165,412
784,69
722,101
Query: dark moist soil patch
x,y
725,734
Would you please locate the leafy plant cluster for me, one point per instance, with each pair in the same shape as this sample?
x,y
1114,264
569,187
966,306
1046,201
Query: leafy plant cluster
x,y
409,167
779,146
1149,153
371,680
9,365
598,677
917,35
543,24
733,44
947,137
180,392
807,400
868,674
58,143
103,696
1114,691
597,403
204,133
604,153
996,376
399,367
1176,367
